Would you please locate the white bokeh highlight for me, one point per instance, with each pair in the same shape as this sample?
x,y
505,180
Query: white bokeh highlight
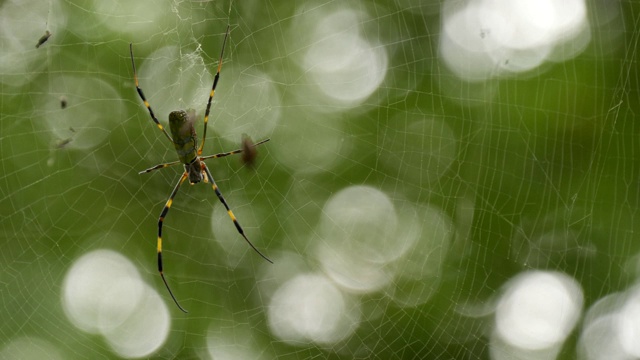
x,y
173,79
629,325
22,24
611,328
30,348
103,294
362,221
145,330
310,308
246,102
231,341
365,242
93,109
485,38
338,65
359,231
418,272
343,67
139,20
342,63
600,340
101,290
538,311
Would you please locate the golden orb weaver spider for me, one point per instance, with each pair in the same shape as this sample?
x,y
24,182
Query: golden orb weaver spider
x,y
185,142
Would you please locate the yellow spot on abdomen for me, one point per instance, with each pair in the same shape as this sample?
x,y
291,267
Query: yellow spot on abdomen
x,y
169,202
233,217
159,244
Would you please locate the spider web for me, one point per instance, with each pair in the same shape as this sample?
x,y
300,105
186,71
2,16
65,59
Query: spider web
x,y
444,180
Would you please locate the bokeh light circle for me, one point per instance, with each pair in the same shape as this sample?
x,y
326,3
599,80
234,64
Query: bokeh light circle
x,y
103,294
145,330
101,290
247,102
93,107
484,38
310,308
22,24
362,221
418,272
343,65
174,80
30,348
538,310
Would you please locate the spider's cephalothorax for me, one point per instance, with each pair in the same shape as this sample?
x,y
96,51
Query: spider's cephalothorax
x,y
190,154
185,140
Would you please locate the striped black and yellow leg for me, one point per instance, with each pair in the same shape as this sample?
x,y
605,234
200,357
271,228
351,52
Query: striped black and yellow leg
x,y
213,90
237,151
164,212
215,156
160,166
144,100
233,217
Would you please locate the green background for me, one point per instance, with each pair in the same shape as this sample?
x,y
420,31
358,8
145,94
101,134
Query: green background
x,y
551,151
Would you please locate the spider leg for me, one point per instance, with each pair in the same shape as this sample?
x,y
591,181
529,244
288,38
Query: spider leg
x,y
164,212
237,151
146,103
159,166
213,90
233,217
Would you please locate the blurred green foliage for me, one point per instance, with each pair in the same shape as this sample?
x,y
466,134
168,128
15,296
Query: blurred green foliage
x,y
556,151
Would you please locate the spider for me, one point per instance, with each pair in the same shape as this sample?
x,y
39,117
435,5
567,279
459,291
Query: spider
x,y
189,153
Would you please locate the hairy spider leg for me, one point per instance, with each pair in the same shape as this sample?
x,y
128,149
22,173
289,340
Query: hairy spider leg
x,y
163,214
231,215
144,100
213,90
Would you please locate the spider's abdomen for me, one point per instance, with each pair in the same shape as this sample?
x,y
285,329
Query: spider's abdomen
x,y
184,135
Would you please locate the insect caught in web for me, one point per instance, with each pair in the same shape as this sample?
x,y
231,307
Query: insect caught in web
x,y
184,139
63,102
249,152
43,39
